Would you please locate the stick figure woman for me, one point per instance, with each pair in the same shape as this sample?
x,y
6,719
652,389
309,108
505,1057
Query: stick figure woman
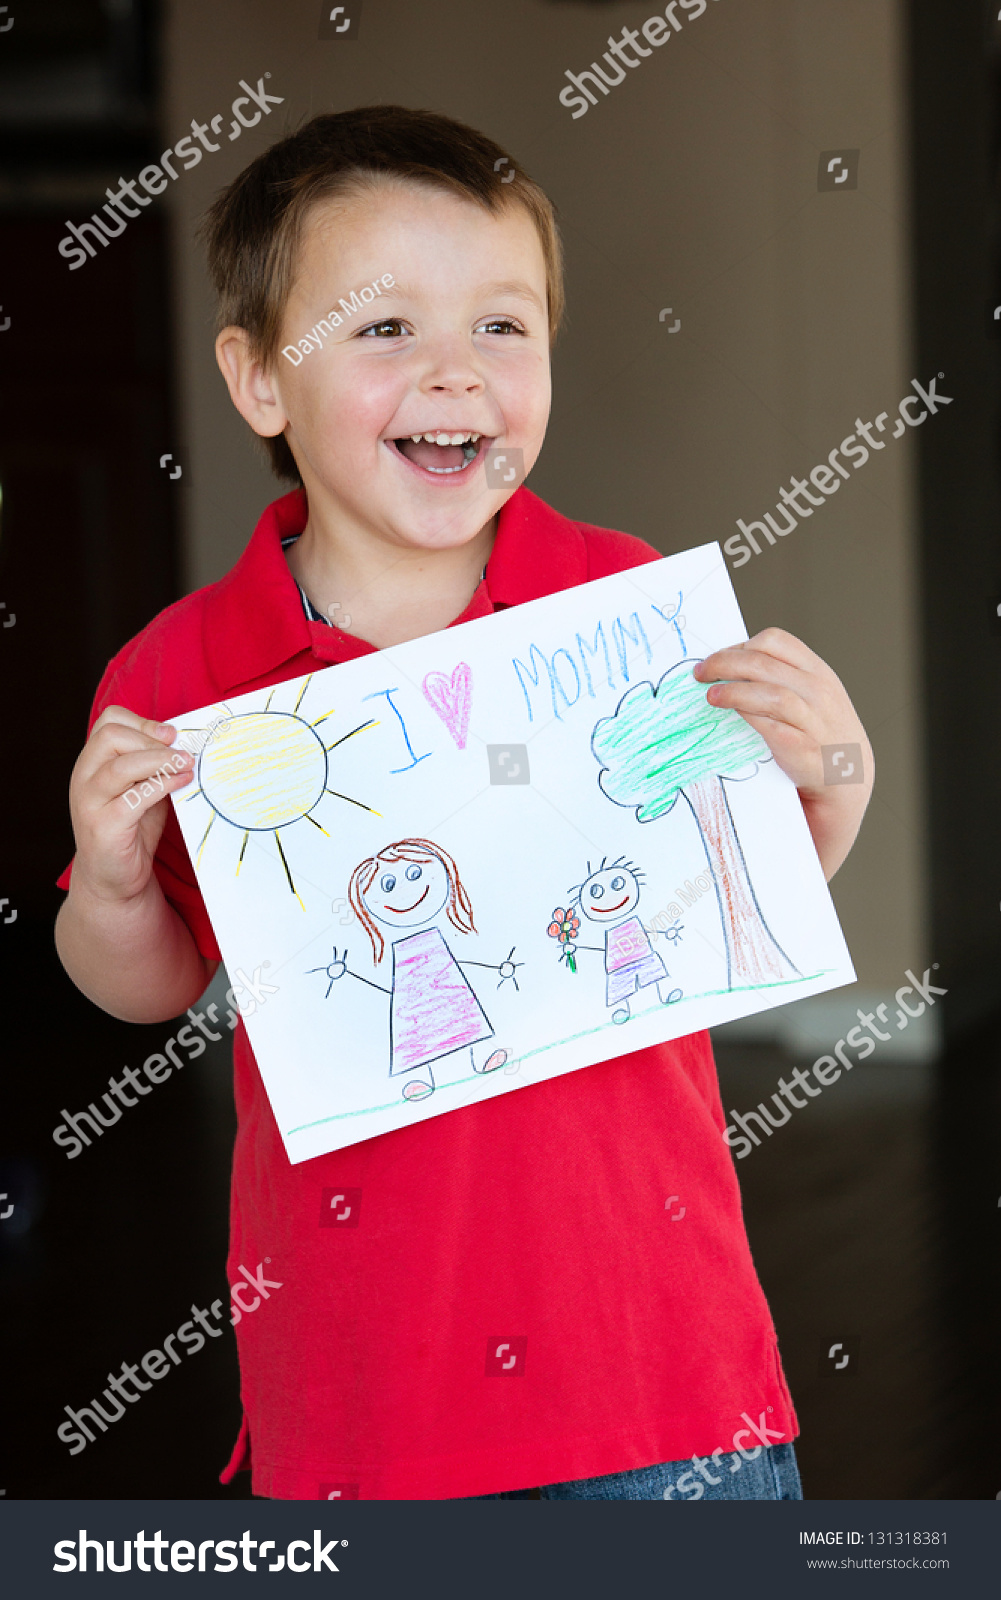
x,y
608,898
433,1010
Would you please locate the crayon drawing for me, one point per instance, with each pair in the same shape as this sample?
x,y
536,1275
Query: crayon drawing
x,y
264,770
451,699
668,741
399,879
608,898
433,1009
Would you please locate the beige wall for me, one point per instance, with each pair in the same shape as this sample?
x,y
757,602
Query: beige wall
x,y
692,185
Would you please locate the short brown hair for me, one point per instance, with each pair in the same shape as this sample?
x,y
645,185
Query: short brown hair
x,y
254,228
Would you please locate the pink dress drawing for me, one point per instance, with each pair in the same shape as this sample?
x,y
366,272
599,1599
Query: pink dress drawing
x,y
434,1011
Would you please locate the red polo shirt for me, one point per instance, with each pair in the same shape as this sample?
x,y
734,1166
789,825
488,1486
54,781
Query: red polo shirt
x,y
535,1221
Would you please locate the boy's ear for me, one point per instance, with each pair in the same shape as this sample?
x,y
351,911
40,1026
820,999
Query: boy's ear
x,y
253,392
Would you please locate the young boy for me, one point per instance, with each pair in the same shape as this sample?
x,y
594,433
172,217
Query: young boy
x,y
532,1223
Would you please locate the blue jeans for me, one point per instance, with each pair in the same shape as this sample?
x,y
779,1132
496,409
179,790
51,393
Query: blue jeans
x,y
772,1475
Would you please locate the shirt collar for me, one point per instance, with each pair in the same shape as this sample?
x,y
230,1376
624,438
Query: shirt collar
x,y
254,619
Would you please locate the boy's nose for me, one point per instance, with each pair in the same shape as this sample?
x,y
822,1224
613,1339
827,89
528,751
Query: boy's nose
x,y
451,368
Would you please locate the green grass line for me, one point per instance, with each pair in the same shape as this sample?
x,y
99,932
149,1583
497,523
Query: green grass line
x,y
603,1027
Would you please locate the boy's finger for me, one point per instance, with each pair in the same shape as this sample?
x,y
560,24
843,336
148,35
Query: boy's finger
x,y
772,700
113,739
113,778
120,715
792,749
128,807
142,796
742,664
785,647
775,645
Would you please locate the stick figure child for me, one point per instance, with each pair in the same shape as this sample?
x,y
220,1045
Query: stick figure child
x,y
608,897
433,1010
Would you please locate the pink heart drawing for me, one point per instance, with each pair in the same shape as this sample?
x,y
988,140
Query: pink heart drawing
x,y
451,699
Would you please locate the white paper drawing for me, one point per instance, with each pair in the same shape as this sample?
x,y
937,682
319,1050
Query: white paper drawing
x,y
526,843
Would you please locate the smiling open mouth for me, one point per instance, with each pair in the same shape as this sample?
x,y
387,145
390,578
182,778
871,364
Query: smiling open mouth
x,y
442,453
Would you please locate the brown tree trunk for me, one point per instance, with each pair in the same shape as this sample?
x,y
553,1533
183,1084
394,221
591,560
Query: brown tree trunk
x,y
752,954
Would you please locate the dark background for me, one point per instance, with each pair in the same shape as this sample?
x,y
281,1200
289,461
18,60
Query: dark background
x,y
877,1222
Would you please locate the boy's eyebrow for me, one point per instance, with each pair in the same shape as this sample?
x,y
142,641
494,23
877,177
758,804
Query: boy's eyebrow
x,y
517,290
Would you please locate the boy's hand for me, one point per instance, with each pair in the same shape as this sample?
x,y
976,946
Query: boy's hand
x,y
797,704
116,827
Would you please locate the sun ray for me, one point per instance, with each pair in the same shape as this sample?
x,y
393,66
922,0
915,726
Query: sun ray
x,y
268,769
201,847
371,723
326,714
347,797
192,796
243,848
287,872
307,818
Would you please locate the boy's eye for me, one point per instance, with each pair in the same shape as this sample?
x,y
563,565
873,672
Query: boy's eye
x,y
391,328
388,883
413,873
618,883
596,891
501,325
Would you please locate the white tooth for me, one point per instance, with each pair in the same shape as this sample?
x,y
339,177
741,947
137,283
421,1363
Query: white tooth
x,y
432,438
474,438
443,438
416,437
457,438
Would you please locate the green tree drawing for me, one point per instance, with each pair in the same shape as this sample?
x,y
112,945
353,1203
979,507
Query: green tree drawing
x,y
668,741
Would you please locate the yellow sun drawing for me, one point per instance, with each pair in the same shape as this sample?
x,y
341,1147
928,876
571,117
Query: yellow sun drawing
x,y
264,770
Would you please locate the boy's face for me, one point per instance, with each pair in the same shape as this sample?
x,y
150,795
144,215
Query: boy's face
x,y
458,344
609,895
